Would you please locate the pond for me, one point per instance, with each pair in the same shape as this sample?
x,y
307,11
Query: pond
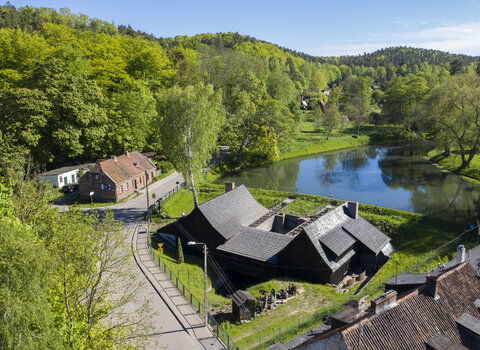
x,y
392,177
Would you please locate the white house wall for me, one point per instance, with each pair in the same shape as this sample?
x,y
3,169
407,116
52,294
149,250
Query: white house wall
x,y
59,180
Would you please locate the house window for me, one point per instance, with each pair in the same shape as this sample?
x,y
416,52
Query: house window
x,y
73,178
126,186
121,188
105,187
96,176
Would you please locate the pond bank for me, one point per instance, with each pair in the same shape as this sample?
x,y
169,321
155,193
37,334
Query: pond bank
x,y
453,162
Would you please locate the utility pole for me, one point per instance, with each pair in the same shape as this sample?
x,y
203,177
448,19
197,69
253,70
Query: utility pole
x,y
205,301
146,184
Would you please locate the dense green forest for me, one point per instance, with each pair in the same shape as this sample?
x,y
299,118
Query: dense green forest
x,y
75,88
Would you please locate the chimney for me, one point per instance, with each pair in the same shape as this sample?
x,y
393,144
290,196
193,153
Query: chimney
x,y
229,186
384,302
460,254
125,151
432,286
114,158
353,209
278,223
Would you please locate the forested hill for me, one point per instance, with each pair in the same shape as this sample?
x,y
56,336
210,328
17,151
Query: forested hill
x,y
32,19
399,56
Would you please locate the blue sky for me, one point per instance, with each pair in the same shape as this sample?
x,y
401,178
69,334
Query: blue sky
x,y
321,28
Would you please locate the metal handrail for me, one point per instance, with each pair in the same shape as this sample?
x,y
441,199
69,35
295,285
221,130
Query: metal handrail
x,y
216,328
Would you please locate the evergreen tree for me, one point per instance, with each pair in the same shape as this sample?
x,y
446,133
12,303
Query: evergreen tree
x,y
180,257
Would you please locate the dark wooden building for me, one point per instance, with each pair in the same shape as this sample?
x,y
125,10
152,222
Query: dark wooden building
x,y
243,305
249,239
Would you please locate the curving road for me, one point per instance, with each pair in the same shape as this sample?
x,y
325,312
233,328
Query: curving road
x,y
176,325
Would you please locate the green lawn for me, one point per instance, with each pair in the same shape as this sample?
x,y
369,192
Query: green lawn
x,y
194,266
453,162
311,140
413,235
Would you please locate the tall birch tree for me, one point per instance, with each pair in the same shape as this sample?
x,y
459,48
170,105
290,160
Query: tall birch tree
x,y
190,120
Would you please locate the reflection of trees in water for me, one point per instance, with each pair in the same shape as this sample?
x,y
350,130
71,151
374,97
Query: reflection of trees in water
x,y
352,162
433,192
279,176
327,174
372,153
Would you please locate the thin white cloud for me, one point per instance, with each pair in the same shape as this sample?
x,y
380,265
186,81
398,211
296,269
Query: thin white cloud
x,y
461,38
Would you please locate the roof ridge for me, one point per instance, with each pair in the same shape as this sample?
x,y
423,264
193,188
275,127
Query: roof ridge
x,y
451,270
224,193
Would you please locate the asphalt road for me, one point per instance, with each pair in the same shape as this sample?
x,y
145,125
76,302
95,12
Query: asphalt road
x,y
168,331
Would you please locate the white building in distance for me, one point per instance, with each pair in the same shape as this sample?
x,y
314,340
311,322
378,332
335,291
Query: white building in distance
x,y
61,177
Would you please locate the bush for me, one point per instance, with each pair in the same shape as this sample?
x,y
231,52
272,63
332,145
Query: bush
x,y
164,166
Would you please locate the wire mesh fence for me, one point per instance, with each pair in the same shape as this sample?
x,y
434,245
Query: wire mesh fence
x,y
215,327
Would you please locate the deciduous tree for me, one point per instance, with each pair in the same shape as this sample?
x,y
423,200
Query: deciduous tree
x,y
190,120
356,98
452,112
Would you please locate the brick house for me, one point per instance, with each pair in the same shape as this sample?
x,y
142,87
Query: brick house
x,y
117,177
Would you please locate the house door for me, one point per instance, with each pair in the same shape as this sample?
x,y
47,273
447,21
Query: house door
x,y
73,178
65,181
135,183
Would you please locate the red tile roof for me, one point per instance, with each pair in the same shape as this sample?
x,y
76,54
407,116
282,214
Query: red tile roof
x,y
126,166
417,317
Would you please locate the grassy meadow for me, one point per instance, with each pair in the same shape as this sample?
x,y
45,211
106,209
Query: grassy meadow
x,y
312,140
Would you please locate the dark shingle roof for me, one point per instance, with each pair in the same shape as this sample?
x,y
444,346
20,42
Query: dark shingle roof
x,y
241,296
417,317
330,230
226,213
440,342
337,240
408,279
256,244
60,171
365,232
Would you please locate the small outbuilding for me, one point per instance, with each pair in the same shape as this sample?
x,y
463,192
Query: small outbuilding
x,y
61,177
243,305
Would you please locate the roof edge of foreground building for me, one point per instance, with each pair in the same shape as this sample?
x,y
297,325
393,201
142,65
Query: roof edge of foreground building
x,y
442,314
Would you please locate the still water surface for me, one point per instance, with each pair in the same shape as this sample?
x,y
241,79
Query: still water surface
x,y
394,177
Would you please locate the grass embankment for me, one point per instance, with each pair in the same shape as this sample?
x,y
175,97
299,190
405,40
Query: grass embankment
x,y
453,162
413,235
311,140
